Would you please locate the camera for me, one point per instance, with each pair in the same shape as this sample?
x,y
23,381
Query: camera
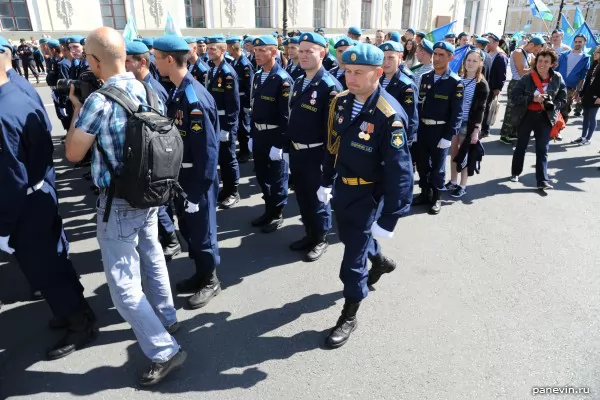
x,y
84,86
548,104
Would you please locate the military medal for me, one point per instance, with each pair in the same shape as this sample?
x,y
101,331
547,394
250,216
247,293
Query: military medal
x,y
362,134
219,81
370,129
341,119
313,101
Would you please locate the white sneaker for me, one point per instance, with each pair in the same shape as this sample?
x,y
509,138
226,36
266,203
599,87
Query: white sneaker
x,y
585,142
514,178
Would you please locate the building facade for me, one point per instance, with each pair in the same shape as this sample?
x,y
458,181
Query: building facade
x,y
519,14
58,17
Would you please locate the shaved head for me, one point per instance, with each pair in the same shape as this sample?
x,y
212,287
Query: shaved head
x,y
106,44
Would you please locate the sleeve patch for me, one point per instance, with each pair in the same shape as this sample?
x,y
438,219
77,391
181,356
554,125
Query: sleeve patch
x,y
397,140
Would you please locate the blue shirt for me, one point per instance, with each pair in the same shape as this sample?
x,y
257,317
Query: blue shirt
x,y
106,120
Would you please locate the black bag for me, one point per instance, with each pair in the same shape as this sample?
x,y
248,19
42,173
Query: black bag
x,y
152,154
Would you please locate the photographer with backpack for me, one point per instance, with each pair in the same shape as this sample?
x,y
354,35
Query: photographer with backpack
x,y
127,228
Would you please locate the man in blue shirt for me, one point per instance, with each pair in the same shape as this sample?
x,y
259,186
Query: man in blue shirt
x,y
573,65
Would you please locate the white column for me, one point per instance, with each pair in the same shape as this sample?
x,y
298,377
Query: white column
x,y
209,13
473,21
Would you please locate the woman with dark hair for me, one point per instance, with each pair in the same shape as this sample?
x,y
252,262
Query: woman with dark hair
x,y
537,99
475,94
410,49
590,100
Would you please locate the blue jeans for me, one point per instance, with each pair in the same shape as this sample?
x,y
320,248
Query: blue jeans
x,y
132,257
589,122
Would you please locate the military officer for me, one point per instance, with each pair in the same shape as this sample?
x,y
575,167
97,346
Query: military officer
x,y
222,84
249,47
245,73
329,61
440,113
196,66
340,47
78,64
306,137
149,42
294,69
401,87
195,114
30,224
270,114
202,54
450,38
367,150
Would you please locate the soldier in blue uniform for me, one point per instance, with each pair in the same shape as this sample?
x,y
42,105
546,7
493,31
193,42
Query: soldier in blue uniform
x,y
368,163
294,69
149,42
197,68
245,73
222,84
195,114
201,42
270,114
306,137
338,71
440,113
30,224
450,38
249,47
76,50
329,61
57,70
400,86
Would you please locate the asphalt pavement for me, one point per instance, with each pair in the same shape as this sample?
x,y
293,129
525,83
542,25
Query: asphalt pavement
x,y
497,295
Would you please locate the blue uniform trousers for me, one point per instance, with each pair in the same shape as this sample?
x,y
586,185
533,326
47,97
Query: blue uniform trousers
x,y
356,210
306,168
243,133
41,250
199,229
230,171
272,176
165,221
431,161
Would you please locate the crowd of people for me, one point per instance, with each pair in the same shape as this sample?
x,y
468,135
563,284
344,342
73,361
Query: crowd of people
x,y
347,132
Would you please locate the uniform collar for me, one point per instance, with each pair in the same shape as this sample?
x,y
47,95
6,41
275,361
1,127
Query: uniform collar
x,y
446,74
317,78
371,103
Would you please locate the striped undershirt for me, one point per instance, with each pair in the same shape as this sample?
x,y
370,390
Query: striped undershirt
x,y
436,77
263,77
305,83
469,92
356,108
385,82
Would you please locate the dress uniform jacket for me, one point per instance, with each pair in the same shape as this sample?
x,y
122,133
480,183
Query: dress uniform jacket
x,y
404,90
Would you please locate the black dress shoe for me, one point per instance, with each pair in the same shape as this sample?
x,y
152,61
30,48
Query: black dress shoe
x,y
273,224
171,246
189,285
303,244
159,371
262,220
422,198
381,265
230,201
206,293
436,208
36,295
81,331
317,250
346,324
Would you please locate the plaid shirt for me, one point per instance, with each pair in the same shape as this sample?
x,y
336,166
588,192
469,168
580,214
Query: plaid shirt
x,y
103,118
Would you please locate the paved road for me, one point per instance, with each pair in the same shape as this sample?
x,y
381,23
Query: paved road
x,y
496,295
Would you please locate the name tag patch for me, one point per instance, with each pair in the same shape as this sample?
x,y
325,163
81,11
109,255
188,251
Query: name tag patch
x,y
362,147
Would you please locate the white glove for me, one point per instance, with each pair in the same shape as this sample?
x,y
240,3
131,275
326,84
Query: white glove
x,y
247,110
191,208
324,195
275,154
4,245
379,232
250,143
224,136
286,158
444,144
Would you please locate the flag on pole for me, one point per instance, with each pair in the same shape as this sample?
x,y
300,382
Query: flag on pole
x,y
540,10
567,28
590,43
438,34
170,27
579,20
130,32
459,56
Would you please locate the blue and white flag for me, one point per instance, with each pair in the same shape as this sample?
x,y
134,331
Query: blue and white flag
x,y
170,27
437,35
540,10
130,32
590,43
566,27
579,20
459,56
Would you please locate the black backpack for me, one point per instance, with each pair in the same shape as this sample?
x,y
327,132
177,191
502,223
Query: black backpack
x,y
152,154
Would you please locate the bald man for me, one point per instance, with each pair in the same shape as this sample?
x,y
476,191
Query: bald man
x,y
131,251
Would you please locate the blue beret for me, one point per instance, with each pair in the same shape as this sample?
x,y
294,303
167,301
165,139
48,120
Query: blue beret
x,y
189,39
274,34
355,30
135,48
411,30
285,42
74,39
43,41
201,39
233,39
82,42
149,42
444,46
363,54
390,45
54,43
265,40
450,36
460,35
421,34
482,40
427,46
63,40
294,40
314,38
344,41
492,36
395,36
215,39
249,39
171,43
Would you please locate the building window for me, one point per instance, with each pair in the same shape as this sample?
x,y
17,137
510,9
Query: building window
x,y
319,13
14,15
113,13
262,11
468,14
194,14
365,13
406,13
